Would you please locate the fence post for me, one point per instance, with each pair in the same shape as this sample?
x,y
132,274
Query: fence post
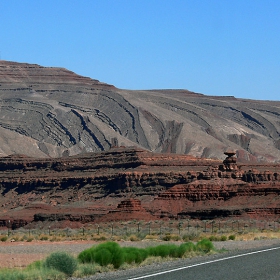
x,y
138,225
179,228
112,229
97,229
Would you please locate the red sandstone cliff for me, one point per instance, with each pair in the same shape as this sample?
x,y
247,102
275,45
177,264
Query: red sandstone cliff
x,y
130,183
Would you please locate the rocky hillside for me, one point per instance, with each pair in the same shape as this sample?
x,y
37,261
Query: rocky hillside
x,y
52,112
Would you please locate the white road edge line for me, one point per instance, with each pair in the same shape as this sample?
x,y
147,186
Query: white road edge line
x,y
203,263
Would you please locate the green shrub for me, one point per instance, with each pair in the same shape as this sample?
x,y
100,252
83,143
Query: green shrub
x,y
111,253
231,237
4,238
103,257
188,247
162,250
87,256
171,250
213,238
12,275
35,265
116,252
132,254
104,254
176,251
205,245
223,238
62,261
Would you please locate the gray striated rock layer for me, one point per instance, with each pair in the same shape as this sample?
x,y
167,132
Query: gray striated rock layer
x,y
48,111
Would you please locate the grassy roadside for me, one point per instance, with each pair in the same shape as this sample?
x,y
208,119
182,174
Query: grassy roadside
x,y
39,270
104,257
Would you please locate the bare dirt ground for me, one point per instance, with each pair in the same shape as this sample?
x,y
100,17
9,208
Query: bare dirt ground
x,y
20,254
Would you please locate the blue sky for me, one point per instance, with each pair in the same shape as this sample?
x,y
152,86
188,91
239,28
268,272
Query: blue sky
x,y
215,47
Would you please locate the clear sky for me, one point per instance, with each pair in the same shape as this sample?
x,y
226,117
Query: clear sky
x,y
215,47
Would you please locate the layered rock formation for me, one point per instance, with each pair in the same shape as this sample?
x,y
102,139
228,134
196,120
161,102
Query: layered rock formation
x,y
131,183
53,112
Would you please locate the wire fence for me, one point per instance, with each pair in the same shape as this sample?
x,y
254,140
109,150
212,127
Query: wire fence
x,y
157,228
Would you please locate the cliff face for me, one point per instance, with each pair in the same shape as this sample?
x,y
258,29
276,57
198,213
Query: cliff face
x,y
130,183
53,112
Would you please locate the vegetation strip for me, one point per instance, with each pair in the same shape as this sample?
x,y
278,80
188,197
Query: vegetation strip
x,y
103,257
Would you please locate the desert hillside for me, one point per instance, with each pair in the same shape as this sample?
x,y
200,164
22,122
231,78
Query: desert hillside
x,y
53,112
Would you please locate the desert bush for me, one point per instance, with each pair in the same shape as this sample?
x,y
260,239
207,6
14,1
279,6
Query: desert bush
x,y
133,237
205,245
29,239
97,237
214,238
132,254
11,275
31,274
162,250
87,256
231,237
61,261
43,237
166,237
151,237
35,265
110,253
103,257
86,269
223,238
188,247
3,238
190,236
175,237
104,254
24,238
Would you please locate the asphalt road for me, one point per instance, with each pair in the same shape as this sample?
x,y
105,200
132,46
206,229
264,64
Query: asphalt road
x,y
262,264
257,265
